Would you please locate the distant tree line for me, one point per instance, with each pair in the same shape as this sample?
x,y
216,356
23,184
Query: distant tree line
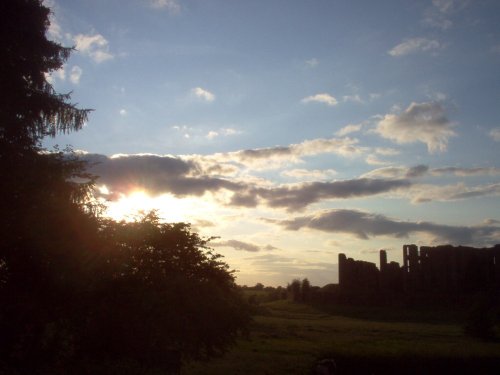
x,y
80,293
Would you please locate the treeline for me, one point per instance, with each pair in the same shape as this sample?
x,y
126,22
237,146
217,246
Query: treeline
x,y
296,291
80,293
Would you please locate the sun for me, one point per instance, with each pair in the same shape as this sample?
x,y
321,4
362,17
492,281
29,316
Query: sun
x,y
169,208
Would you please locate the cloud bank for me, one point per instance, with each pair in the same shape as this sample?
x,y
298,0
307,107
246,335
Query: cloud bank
x,y
365,225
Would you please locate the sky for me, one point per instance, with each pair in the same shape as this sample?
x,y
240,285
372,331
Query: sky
x,y
291,130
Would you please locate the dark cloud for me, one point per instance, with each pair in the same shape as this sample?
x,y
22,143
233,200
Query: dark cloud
x,y
156,174
167,174
429,193
300,196
417,171
365,225
243,246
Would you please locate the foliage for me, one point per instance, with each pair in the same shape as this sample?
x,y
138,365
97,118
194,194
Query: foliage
x,y
77,290
294,289
30,108
167,285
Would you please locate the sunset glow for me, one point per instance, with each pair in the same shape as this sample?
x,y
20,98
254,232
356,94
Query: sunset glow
x,y
295,130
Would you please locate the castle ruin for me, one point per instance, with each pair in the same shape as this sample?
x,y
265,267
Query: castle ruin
x,y
440,269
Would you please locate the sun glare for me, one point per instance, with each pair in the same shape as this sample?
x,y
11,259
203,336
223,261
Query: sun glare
x,y
169,207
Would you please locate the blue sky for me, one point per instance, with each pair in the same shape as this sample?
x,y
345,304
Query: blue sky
x,y
296,129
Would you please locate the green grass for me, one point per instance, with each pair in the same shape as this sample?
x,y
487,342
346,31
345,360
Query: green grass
x,y
288,338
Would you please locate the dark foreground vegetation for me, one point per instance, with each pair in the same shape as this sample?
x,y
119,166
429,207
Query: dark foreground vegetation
x,y
81,294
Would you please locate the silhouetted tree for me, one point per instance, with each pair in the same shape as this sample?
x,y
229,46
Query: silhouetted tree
x,y
177,299
44,226
305,290
76,288
294,289
259,286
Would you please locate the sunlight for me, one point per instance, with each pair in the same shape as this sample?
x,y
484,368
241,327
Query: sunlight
x,y
169,207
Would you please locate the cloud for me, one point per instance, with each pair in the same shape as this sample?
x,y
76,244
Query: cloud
x,y
75,75
171,6
365,225
54,31
95,46
123,112
312,63
310,173
430,193
321,98
348,129
59,74
243,246
212,134
438,15
414,45
397,172
420,122
352,98
448,6
297,197
273,157
464,172
203,94
495,134
222,132
157,174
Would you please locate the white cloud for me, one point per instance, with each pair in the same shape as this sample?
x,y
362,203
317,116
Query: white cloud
x,y
495,134
348,129
54,31
414,45
95,46
352,98
229,131
321,98
420,122
59,74
123,112
212,134
75,75
203,94
312,62
222,132
172,6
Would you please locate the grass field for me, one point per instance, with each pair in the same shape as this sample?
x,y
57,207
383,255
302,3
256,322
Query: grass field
x,y
288,338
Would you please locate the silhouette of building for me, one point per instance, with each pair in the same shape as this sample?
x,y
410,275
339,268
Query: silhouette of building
x,y
439,269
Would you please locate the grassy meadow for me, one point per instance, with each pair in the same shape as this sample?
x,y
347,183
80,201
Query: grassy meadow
x,y
289,338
